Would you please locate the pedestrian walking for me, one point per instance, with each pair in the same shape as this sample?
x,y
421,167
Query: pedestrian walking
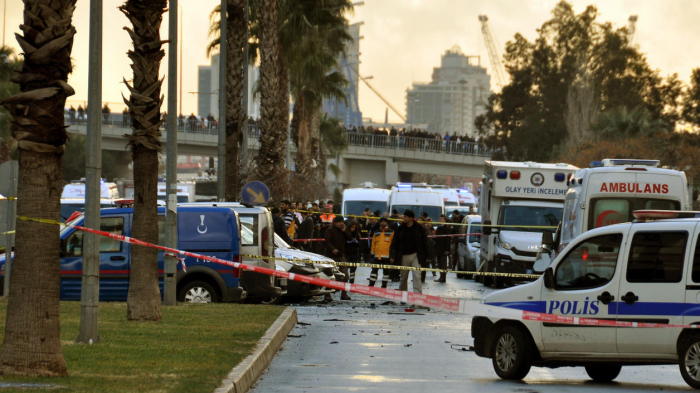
x,y
409,247
442,246
335,239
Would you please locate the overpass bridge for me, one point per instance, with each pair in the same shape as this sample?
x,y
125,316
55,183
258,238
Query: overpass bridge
x,y
375,158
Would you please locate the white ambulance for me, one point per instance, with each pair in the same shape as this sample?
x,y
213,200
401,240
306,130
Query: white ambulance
x,y
356,200
417,198
609,191
641,272
522,200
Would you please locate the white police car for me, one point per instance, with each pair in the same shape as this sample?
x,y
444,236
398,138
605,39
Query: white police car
x,y
634,272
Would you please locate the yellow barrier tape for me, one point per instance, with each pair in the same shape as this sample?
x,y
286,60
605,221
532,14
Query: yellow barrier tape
x,y
6,233
396,267
8,198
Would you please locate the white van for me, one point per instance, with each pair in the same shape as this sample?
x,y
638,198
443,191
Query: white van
x,y
468,247
608,192
632,272
404,196
356,200
523,200
73,197
466,198
185,191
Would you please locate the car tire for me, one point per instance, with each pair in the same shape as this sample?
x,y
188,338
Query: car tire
x,y
688,359
604,373
198,292
512,353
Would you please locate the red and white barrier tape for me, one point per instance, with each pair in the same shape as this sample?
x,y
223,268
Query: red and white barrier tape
x,y
368,238
447,304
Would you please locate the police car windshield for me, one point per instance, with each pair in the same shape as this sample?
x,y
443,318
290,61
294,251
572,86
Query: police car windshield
x,y
357,207
529,218
433,211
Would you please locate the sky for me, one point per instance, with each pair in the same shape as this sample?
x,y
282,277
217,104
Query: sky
x,y
403,40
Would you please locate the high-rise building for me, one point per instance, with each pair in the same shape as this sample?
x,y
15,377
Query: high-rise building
x,y
457,94
208,90
349,66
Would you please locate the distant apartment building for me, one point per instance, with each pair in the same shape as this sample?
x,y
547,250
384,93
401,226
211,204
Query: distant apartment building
x,y
208,89
457,94
349,66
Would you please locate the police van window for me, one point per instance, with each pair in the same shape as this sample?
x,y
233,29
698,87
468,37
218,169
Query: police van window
x,y
590,264
74,242
696,262
657,257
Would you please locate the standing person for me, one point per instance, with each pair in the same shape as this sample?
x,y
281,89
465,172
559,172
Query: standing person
x,y
456,219
306,230
106,112
352,247
365,245
428,226
394,222
442,246
81,113
335,240
71,113
278,223
290,219
409,247
381,245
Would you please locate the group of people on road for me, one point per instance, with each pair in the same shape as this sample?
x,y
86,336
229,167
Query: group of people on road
x,y
373,237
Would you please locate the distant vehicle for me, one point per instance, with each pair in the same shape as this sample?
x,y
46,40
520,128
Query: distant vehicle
x,y
469,247
467,199
208,231
356,200
420,199
73,197
185,191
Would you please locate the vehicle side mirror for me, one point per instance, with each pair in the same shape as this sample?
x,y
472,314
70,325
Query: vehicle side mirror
x,y
486,228
547,239
549,278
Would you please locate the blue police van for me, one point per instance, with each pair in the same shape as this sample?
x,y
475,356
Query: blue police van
x,y
211,231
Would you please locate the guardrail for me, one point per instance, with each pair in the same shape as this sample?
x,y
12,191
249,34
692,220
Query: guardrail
x,y
200,126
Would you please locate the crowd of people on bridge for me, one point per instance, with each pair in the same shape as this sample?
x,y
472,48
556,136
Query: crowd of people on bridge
x,y
412,139
372,237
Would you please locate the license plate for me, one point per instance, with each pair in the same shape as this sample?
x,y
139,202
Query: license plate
x,y
528,271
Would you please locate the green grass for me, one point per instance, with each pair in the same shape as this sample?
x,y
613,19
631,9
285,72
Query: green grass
x,y
191,350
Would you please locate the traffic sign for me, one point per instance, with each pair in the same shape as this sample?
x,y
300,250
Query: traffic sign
x,y
255,193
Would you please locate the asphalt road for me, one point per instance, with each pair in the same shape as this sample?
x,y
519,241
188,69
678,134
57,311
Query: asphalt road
x,y
362,345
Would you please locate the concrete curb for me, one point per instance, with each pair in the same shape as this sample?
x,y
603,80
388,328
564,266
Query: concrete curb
x,y
244,375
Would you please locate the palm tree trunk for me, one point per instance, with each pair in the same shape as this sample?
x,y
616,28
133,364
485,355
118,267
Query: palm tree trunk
x,y
143,300
273,98
303,160
234,93
319,174
32,344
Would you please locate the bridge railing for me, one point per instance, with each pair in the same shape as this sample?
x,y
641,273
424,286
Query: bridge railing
x,y
200,126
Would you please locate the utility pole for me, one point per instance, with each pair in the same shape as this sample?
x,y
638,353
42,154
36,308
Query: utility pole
x,y
170,268
181,70
4,21
244,146
90,289
221,165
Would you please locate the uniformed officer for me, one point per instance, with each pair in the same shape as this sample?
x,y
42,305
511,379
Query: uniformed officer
x,y
381,245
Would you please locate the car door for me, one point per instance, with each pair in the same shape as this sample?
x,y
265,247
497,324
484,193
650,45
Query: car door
x,y
114,268
651,289
586,282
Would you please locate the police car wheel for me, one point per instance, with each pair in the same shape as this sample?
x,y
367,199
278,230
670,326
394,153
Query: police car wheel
x,y
197,292
603,373
512,353
689,360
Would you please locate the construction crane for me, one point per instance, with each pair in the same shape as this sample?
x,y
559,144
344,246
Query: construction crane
x,y
380,96
631,26
497,68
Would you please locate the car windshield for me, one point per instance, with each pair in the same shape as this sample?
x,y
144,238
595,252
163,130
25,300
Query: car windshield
x,y
475,228
433,211
529,218
357,207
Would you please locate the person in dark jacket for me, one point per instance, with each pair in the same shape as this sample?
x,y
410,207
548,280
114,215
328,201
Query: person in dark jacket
x,y
442,246
335,240
409,247
306,230
280,228
352,247
457,219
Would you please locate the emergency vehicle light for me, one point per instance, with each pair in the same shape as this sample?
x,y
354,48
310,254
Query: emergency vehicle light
x,y
515,175
616,162
559,177
596,164
404,185
502,174
663,214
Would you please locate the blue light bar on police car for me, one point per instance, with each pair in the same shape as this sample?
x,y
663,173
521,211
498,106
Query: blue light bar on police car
x,y
502,174
596,164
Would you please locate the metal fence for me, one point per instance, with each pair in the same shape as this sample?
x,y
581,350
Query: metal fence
x,y
202,126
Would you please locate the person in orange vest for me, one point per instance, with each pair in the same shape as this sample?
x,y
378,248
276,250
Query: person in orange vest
x,y
326,220
381,245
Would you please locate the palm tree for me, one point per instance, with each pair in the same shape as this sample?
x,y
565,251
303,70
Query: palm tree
x,y
143,300
274,100
236,29
32,344
9,66
620,123
334,140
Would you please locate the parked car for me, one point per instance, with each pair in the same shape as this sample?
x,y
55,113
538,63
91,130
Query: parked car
x,y
469,246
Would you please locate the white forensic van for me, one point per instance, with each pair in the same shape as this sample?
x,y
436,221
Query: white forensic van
x,y
356,200
630,272
73,197
520,198
185,191
422,199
